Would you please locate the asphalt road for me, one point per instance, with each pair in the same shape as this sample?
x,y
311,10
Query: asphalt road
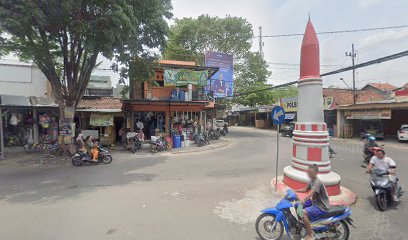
x,y
207,195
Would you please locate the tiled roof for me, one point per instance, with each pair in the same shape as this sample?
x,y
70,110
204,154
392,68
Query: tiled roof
x,y
174,62
383,86
345,96
101,103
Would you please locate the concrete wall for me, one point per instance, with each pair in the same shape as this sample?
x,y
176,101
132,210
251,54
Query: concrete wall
x,y
23,80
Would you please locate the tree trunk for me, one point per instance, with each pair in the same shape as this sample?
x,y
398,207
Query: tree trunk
x,y
67,135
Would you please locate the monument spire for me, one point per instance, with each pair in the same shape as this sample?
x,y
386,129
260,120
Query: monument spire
x,y
309,56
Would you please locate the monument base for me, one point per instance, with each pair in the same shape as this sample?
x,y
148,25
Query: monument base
x,y
345,197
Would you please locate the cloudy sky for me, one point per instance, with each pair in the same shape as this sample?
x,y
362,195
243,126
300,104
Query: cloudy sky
x,y
290,16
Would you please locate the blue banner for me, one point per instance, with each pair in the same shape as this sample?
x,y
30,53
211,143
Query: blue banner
x,y
222,82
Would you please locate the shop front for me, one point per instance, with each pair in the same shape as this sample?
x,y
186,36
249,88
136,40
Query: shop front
x,y
156,117
25,123
381,119
102,118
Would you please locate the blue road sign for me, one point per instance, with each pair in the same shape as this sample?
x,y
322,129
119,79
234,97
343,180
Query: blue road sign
x,y
278,115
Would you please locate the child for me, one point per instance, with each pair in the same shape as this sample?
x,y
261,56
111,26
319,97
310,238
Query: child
x,y
95,152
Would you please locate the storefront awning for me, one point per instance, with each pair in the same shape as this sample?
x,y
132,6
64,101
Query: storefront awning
x,y
290,116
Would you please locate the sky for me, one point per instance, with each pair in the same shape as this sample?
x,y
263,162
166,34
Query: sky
x,y
290,16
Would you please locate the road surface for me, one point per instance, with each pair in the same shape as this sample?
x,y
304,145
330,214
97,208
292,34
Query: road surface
x,y
206,195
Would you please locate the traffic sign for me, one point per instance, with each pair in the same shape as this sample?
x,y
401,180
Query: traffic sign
x,y
278,115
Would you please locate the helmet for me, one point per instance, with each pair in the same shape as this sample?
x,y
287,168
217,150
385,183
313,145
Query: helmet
x,y
371,138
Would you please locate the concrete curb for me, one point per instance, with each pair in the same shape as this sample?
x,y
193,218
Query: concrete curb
x,y
210,147
345,198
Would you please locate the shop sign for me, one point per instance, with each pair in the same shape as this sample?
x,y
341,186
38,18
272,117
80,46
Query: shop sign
x,y
328,103
182,77
101,120
222,82
289,104
69,112
65,128
380,114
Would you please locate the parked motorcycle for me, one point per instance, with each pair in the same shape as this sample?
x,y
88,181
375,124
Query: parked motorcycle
x,y
332,153
214,135
382,186
159,145
287,130
136,145
222,132
272,223
225,128
204,140
104,157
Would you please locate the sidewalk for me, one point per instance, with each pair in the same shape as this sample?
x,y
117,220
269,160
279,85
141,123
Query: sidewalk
x,y
214,144
388,143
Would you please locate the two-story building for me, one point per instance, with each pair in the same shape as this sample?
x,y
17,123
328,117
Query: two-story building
x,y
175,100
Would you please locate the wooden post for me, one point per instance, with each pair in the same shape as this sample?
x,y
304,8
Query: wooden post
x,y
36,138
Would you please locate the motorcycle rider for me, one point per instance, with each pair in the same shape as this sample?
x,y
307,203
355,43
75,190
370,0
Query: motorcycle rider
x,y
368,147
386,164
320,200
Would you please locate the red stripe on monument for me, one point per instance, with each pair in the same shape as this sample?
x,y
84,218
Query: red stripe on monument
x,y
314,154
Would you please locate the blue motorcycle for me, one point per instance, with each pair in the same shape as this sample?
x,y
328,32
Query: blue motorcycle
x,y
272,223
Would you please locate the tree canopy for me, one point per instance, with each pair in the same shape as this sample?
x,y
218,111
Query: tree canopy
x,y
65,38
190,38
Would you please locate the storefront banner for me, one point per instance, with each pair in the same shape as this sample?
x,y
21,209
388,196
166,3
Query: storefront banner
x,y
380,114
101,120
182,77
329,103
289,104
65,128
222,82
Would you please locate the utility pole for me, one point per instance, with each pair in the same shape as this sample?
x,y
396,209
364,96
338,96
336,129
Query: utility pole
x,y
260,42
353,54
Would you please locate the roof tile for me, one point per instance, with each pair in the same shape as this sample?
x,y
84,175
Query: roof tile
x,y
100,103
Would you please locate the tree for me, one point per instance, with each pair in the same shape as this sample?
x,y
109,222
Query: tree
x,y
251,74
190,38
65,38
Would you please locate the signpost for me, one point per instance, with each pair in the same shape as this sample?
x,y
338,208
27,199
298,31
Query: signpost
x,y
278,116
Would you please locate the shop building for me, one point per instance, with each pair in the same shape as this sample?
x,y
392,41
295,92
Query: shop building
x,y
380,118
174,101
102,118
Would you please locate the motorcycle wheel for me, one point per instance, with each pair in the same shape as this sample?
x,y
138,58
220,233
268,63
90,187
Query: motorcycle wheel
x,y
107,159
344,230
382,201
154,150
76,161
134,149
266,228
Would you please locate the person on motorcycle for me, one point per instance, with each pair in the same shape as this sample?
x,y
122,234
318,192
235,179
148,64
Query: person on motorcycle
x,y
381,162
316,191
368,147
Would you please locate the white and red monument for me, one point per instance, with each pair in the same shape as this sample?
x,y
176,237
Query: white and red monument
x,y
310,136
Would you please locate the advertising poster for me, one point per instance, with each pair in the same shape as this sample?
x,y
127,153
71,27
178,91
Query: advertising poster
x,y
101,120
222,82
182,77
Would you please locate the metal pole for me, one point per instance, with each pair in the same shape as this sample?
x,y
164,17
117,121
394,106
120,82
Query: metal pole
x,y
277,157
353,55
1,135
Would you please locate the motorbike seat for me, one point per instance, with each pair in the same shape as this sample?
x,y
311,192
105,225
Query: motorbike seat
x,y
334,211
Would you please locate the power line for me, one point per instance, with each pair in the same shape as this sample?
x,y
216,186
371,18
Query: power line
x,y
365,64
335,32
